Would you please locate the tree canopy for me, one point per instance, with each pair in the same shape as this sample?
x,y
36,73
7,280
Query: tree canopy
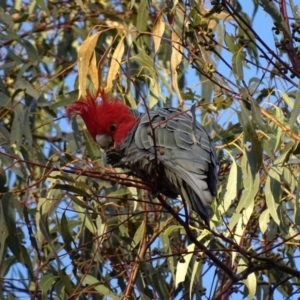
x,y
74,228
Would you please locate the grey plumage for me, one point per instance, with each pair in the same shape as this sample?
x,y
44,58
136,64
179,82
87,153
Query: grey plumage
x,y
186,158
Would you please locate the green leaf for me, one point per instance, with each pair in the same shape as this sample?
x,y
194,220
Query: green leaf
x,y
279,116
289,179
85,218
43,6
142,16
27,261
27,87
238,56
63,176
273,193
138,235
160,285
250,281
27,129
8,66
16,130
47,282
44,226
155,92
120,193
101,226
297,205
165,241
295,110
68,285
78,200
7,161
32,53
4,229
70,188
182,267
284,157
231,187
230,41
60,290
100,287
264,220
172,229
8,212
287,99
92,148
237,64
4,100
6,19
7,263
197,266
285,288
251,183
246,203
65,233
271,8
62,100
252,122
10,296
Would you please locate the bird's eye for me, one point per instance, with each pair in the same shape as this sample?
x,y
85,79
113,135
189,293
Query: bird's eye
x,y
112,127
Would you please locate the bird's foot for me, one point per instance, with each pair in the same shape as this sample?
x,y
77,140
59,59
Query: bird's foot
x,y
114,158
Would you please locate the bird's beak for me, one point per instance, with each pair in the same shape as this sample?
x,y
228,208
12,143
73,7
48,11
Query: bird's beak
x,y
105,141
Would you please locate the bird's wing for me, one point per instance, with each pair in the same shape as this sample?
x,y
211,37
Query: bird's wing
x,y
182,147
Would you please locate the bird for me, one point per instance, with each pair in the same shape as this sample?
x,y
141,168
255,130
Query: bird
x,y
163,143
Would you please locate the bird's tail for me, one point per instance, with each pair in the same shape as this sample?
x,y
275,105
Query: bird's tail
x,y
204,211
194,190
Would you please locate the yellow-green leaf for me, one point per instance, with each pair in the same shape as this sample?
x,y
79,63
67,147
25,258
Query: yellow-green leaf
x,y
158,31
115,65
176,58
85,54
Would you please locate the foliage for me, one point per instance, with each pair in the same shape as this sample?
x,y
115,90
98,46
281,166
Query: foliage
x,y
72,227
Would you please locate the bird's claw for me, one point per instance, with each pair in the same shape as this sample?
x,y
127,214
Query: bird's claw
x,y
114,157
